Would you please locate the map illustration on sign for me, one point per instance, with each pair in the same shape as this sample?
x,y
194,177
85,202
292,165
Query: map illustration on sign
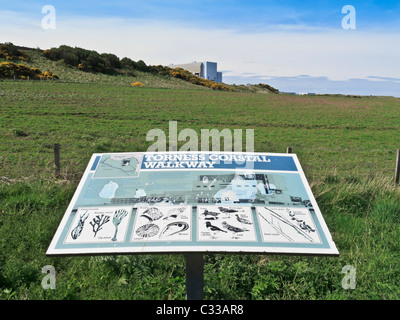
x,y
108,190
168,202
119,165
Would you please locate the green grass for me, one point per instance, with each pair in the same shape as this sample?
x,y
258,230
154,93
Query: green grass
x,y
331,135
366,231
345,145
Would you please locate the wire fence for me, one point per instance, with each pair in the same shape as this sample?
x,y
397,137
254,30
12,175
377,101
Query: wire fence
x,y
318,163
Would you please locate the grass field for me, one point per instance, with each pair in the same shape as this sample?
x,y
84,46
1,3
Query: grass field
x,y
331,135
346,146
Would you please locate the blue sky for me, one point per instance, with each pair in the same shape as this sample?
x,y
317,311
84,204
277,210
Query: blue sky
x,y
240,15
293,45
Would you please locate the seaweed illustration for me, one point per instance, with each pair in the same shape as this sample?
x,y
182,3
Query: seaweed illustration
x,y
98,222
118,216
76,232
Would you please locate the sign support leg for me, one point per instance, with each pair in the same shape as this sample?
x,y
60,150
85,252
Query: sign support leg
x,y
194,276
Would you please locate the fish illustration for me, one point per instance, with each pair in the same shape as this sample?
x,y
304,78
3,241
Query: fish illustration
x,y
173,228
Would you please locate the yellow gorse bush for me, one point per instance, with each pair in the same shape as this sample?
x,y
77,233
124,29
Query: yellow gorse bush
x,y
186,75
11,54
137,84
20,71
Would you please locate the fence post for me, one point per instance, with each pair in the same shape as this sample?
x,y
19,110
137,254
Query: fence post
x,y
57,165
397,168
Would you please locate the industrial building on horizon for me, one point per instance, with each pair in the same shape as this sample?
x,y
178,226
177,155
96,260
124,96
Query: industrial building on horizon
x,y
206,70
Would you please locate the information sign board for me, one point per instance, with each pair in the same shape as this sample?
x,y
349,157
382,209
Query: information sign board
x,y
181,202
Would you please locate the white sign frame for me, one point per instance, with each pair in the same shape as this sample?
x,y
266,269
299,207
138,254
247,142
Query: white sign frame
x,y
251,241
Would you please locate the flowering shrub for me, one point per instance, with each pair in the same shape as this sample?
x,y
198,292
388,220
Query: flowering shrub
x,y
20,71
268,87
187,76
82,67
48,75
137,84
85,60
9,52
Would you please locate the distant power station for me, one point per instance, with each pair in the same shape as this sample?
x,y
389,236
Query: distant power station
x,y
206,70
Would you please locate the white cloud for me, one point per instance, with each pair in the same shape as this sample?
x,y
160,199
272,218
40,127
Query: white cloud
x,y
335,54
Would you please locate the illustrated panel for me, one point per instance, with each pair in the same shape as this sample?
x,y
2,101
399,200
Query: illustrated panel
x,y
225,223
163,223
287,224
99,225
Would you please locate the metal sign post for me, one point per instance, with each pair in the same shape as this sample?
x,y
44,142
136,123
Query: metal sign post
x,y
194,276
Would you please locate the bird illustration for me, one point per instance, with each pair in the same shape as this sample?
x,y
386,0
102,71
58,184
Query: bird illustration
x,y
232,228
227,210
243,220
210,213
213,228
305,226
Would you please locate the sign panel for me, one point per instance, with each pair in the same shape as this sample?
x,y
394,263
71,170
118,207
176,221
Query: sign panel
x,y
172,202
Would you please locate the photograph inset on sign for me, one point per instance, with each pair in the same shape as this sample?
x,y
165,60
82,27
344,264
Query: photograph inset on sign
x,y
119,165
225,223
162,223
287,224
99,225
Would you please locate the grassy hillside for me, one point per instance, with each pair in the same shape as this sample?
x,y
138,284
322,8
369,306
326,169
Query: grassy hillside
x,y
87,66
72,74
346,146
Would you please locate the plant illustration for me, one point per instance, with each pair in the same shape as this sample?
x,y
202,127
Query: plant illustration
x,y
76,232
98,222
118,216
